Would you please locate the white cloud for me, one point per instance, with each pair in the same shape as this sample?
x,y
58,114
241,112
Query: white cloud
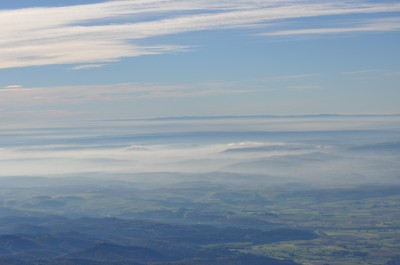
x,y
109,31
87,66
376,25
12,87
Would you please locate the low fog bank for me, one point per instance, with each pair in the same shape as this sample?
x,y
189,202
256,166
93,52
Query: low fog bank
x,y
331,150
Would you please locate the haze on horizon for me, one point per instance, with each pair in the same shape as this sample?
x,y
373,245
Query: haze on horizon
x,y
337,150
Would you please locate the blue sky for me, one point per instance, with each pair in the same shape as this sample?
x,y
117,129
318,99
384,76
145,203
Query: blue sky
x,y
68,60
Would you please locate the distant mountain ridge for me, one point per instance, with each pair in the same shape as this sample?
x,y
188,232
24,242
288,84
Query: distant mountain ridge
x,y
322,115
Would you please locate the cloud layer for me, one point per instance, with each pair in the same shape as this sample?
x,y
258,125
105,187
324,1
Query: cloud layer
x,y
121,147
109,31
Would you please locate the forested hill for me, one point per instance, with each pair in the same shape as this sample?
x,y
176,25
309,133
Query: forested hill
x,y
48,241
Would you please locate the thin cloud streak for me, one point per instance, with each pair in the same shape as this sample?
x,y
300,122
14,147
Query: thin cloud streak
x,y
378,25
11,87
365,72
69,101
41,96
87,66
16,95
372,73
109,31
304,87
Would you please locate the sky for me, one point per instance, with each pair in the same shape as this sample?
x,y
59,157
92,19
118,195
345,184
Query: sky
x,y
91,60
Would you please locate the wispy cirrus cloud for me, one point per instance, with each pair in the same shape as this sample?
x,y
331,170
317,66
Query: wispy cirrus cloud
x,y
364,72
362,26
371,73
109,31
76,101
304,87
87,66
24,105
15,96
11,87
